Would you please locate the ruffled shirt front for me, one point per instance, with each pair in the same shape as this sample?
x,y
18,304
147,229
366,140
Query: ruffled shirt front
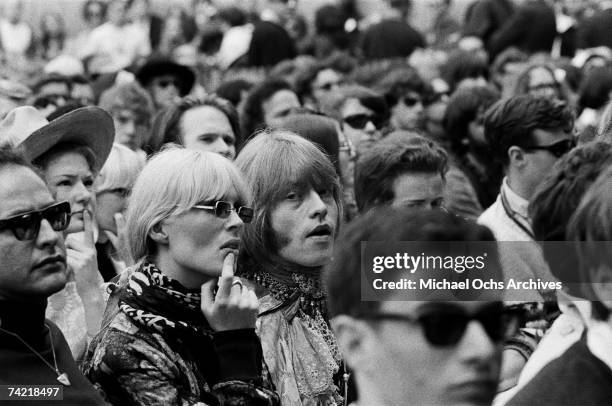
x,y
301,353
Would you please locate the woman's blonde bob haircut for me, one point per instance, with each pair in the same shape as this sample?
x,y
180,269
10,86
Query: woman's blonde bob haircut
x,y
120,169
276,162
172,182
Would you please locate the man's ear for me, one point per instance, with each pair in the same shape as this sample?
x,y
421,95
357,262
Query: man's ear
x,y
355,338
159,234
516,156
602,283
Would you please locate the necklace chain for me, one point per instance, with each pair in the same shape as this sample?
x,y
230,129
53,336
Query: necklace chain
x,y
56,369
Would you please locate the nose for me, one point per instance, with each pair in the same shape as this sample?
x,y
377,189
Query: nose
x,y
81,194
370,128
476,345
234,222
47,236
317,206
221,147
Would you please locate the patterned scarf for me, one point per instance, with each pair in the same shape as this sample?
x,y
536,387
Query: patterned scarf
x,y
158,302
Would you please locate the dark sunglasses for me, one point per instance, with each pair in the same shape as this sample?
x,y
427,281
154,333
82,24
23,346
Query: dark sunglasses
x,y
411,101
223,210
446,328
27,225
558,149
359,121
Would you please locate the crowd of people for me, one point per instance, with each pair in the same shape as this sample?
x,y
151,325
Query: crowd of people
x,y
184,199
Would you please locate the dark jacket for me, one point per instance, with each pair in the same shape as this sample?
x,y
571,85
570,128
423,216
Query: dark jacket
x,y
532,29
575,378
595,31
390,39
485,17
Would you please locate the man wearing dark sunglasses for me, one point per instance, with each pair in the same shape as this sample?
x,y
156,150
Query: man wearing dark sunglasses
x,y
417,351
527,134
33,267
404,90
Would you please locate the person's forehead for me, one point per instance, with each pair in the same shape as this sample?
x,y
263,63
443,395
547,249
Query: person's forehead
x,y
541,74
353,106
53,88
418,183
21,190
545,136
205,119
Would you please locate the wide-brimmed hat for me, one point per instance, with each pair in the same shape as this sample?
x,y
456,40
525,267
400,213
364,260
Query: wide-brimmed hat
x,y
28,130
158,66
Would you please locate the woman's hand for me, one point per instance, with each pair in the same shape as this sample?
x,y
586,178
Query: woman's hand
x,y
83,261
234,307
120,241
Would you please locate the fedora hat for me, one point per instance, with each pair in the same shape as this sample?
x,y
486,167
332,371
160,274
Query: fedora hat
x,y
28,130
159,66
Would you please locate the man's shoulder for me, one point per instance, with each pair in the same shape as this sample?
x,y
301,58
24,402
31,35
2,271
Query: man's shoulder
x,y
586,381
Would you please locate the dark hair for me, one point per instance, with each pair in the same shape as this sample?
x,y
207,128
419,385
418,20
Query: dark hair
x,y
166,124
253,114
398,153
319,129
233,15
596,87
462,108
591,229
397,82
462,65
342,277
368,98
511,122
337,61
510,55
558,196
232,90
65,147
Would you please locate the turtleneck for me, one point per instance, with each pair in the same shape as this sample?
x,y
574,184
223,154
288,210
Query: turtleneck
x,y
26,319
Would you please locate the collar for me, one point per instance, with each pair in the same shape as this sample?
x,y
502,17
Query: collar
x,y
599,341
516,202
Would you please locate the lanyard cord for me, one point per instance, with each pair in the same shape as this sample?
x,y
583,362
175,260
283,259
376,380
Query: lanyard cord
x,y
514,216
56,369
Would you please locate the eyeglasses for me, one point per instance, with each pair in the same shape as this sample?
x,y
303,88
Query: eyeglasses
x,y
359,121
223,209
544,86
26,226
558,149
329,86
411,101
446,328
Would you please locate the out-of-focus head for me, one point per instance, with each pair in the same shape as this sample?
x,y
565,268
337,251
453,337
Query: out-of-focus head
x,y
464,117
557,198
363,113
321,130
404,89
402,170
33,264
297,200
465,69
209,123
538,80
399,350
266,104
94,12
165,80
132,110
506,68
591,230
114,184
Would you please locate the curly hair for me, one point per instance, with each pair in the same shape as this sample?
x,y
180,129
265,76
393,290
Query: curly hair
x,y
511,122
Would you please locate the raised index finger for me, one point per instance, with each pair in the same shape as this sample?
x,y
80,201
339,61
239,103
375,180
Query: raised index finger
x,y
88,228
227,276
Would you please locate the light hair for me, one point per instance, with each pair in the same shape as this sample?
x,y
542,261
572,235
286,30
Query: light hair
x,y
274,163
171,183
120,169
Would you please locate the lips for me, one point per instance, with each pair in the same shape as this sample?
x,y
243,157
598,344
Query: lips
x,y
323,230
52,260
233,244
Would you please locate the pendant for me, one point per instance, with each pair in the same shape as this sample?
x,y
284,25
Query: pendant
x,y
63,379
